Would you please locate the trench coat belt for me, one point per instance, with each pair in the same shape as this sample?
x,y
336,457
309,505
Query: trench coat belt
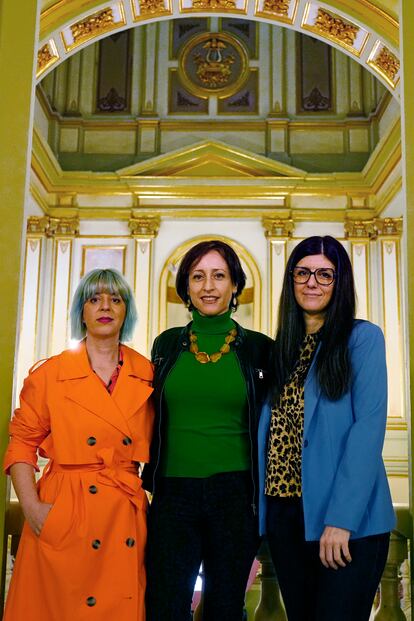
x,y
120,474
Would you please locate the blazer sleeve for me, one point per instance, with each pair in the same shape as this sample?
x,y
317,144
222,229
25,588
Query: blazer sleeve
x,y
361,459
30,423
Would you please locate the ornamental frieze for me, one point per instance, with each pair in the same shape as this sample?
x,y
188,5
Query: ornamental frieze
x,y
212,5
96,24
336,27
92,26
280,7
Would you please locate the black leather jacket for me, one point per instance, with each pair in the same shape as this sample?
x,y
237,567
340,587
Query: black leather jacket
x,y
253,352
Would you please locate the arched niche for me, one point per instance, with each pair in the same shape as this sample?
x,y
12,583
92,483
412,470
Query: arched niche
x,y
172,312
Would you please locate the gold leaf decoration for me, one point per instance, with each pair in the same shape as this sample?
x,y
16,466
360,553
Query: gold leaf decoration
x,y
214,4
388,63
44,57
336,27
280,7
93,25
150,7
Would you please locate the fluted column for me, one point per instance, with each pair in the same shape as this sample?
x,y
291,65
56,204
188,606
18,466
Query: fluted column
x,y
143,230
35,245
278,232
389,234
359,233
63,231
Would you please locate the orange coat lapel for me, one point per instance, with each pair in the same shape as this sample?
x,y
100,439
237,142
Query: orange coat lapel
x,y
132,388
82,386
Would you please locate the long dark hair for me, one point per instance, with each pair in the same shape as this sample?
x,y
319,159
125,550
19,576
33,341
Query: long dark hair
x,y
196,253
332,365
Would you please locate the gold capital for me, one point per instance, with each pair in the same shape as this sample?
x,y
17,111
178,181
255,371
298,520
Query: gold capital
x,y
147,226
277,227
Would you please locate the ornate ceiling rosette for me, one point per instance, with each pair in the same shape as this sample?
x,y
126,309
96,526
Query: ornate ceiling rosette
x,y
213,63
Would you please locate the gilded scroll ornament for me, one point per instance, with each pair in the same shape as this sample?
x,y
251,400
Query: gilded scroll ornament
x,y
144,227
45,57
336,27
213,4
278,227
280,7
360,229
388,63
152,7
92,26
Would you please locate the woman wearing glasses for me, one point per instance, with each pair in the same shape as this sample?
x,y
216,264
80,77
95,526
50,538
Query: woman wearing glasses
x,y
325,501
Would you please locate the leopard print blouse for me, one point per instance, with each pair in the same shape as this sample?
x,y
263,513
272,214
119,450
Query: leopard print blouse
x,y
284,462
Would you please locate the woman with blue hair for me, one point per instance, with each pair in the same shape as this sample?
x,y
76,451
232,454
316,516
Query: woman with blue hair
x,y
87,411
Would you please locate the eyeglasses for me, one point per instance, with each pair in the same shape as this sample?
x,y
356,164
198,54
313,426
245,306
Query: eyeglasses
x,y
323,275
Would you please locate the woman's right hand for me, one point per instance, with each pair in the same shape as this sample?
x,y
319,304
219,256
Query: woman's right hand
x,y
35,511
36,515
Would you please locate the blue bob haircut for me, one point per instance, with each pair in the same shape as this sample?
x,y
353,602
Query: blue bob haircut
x,y
99,281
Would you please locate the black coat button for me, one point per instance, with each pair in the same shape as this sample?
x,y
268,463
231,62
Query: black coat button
x,y
130,542
305,444
96,543
127,440
91,441
93,489
90,601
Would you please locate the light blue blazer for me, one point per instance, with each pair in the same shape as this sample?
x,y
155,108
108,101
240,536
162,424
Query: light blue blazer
x,y
344,483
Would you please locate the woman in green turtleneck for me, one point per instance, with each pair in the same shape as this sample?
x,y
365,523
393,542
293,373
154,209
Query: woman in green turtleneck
x,y
209,384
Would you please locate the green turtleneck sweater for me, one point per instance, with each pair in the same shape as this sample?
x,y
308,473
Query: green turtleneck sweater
x,y
206,405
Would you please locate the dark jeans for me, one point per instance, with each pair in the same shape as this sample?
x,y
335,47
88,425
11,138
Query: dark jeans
x,y
207,520
310,591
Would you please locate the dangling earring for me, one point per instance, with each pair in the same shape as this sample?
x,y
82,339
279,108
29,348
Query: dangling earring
x,y
234,303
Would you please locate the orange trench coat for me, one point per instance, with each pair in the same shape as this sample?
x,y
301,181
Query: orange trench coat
x,y
88,561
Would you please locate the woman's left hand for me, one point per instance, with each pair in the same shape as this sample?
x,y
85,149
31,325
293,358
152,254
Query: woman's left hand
x,y
333,547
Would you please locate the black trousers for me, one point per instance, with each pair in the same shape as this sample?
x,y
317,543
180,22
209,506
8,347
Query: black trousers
x,y
207,520
310,591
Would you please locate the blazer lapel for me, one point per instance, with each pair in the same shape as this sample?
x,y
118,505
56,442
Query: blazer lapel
x,y
83,386
132,388
312,394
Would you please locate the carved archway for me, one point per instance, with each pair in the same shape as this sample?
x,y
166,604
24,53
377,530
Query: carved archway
x,y
365,32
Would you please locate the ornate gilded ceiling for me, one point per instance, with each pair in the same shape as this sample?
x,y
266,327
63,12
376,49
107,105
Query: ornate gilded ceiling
x,y
363,29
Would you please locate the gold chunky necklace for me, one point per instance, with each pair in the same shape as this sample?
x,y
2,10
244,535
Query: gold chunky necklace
x,y
203,357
